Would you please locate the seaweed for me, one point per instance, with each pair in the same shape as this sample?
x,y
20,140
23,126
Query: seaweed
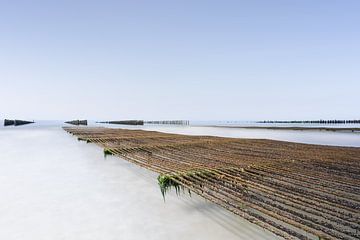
x,y
107,151
168,181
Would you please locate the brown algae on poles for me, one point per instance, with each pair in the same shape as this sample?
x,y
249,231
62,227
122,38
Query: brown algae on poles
x,y
294,190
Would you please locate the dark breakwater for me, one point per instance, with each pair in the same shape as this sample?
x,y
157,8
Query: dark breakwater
x,y
126,122
16,122
77,122
170,122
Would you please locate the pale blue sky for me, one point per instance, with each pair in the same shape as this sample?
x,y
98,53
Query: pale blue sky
x,y
289,59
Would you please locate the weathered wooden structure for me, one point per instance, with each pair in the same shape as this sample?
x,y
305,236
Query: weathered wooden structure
x,y
16,122
126,122
8,122
334,121
297,191
22,122
169,122
77,122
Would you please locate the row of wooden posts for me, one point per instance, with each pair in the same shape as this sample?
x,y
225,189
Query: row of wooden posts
x,y
77,122
126,122
132,122
171,122
335,121
142,122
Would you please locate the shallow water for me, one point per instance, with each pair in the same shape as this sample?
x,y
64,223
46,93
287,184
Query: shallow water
x,y
55,187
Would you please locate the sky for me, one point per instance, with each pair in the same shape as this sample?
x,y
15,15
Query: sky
x,y
196,60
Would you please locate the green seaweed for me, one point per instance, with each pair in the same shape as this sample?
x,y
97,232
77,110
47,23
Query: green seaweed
x,y
107,151
168,181
84,140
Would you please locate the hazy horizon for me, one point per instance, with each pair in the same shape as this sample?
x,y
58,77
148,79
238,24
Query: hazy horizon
x,y
203,60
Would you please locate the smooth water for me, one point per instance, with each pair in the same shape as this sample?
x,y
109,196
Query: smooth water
x,y
55,187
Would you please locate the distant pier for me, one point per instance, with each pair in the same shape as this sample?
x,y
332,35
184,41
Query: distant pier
x,y
142,122
16,122
77,122
126,122
170,122
316,121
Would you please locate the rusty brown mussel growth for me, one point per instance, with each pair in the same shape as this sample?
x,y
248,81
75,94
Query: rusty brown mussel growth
x,y
294,190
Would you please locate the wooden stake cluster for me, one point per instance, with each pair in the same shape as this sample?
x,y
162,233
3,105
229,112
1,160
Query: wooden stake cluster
x,y
169,122
77,122
16,122
297,191
126,122
334,121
